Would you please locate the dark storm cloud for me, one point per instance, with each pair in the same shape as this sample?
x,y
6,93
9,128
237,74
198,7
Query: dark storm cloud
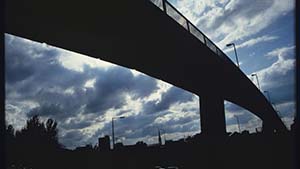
x,y
76,124
175,95
243,119
143,125
33,72
19,59
139,124
144,86
46,110
111,86
181,120
186,127
73,138
190,109
233,108
58,112
46,73
171,96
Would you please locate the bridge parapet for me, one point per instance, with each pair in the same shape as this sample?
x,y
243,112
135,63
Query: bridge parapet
x,y
171,11
156,46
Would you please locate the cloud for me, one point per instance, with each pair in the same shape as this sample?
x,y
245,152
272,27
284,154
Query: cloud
x,y
23,54
143,126
282,53
84,93
73,138
279,78
232,20
77,62
46,80
287,111
111,85
253,42
83,97
171,96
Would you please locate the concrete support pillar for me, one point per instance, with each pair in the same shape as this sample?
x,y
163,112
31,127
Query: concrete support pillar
x,y
212,115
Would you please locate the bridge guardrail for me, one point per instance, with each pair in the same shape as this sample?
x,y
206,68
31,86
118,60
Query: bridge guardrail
x,y
170,10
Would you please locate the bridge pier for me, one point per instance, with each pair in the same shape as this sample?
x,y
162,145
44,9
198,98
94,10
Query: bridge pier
x,y
212,115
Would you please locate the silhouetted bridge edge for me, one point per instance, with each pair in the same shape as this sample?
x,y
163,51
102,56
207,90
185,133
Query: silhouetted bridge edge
x,y
94,29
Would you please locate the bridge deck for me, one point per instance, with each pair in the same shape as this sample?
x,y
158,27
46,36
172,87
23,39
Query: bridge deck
x,y
137,34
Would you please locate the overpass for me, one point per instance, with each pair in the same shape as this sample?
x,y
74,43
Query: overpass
x,y
154,39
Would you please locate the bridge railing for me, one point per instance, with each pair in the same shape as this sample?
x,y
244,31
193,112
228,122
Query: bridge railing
x,y
170,10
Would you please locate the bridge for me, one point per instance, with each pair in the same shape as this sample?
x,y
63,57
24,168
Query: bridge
x,y
151,37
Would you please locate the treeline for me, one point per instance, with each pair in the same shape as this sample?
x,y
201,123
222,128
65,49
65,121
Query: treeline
x,y
33,146
36,146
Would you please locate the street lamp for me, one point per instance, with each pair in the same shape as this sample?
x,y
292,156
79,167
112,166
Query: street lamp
x,y
269,98
236,57
113,129
254,74
159,130
237,118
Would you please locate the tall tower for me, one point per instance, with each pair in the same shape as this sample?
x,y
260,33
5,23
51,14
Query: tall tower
x,y
159,137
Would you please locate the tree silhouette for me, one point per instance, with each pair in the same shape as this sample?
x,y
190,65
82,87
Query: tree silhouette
x,y
9,144
52,132
34,145
37,133
10,131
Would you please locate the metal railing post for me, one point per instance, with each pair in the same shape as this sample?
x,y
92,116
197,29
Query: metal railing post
x,y
164,5
188,25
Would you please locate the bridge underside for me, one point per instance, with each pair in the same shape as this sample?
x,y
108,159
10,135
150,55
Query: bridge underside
x,y
136,34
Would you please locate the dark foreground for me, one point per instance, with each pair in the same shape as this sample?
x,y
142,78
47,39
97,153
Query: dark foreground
x,y
237,151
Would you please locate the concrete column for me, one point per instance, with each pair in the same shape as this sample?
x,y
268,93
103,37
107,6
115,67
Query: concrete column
x,y
212,115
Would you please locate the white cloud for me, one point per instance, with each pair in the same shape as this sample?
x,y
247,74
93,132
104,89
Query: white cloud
x,y
229,21
253,42
250,125
281,53
135,72
90,83
15,113
283,106
279,80
132,107
250,18
288,121
275,74
162,88
70,91
76,61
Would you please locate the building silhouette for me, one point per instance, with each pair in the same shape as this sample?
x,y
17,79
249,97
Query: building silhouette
x,y
104,143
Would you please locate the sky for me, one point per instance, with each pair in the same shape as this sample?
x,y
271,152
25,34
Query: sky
x,y
83,94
